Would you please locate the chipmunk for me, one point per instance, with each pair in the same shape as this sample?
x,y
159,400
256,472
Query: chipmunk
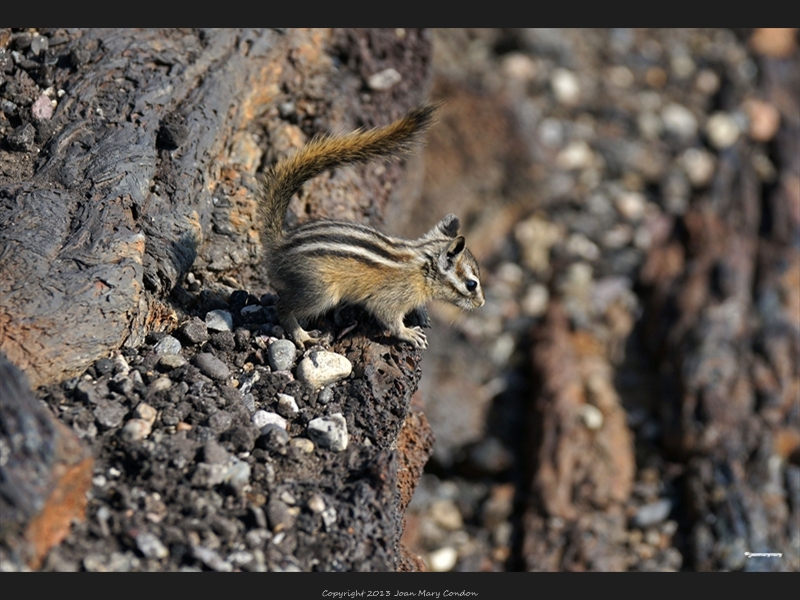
x,y
320,264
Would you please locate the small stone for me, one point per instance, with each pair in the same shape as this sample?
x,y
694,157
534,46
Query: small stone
x,y
212,366
384,80
207,476
42,109
577,155
699,165
150,546
652,514
566,87
321,368
211,559
592,417
159,385
273,438
287,406
103,366
280,516
534,302
262,418
145,412
707,82
22,138
679,121
167,345
443,559
329,432
329,517
219,320
281,355
136,430
631,205
446,515
325,395
316,504
764,120
238,475
39,43
722,130
303,444
109,414
194,331
172,361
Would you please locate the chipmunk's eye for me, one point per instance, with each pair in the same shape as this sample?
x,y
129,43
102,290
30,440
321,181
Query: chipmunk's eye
x,y
471,285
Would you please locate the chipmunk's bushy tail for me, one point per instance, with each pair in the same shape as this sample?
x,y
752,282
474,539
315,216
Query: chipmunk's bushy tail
x,y
323,153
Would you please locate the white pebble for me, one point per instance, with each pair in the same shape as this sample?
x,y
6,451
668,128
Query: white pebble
x,y
566,86
443,559
679,121
329,432
722,130
534,302
287,405
219,320
631,205
577,155
384,80
321,368
699,165
592,417
262,418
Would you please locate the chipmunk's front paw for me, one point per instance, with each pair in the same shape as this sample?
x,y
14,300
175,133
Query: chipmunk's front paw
x,y
414,336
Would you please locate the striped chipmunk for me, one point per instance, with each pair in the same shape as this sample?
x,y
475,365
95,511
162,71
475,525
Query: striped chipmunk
x,y
321,264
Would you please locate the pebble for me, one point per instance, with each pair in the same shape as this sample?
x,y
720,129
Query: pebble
x,y
136,430
194,331
329,432
238,475
273,438
172,361
577,155
592,417
679,121
566,87
22,138
207,476
446,515
159,385
764,120
219,320
287,406
321,368
325,395
707,82
262,418
109,414
145,412
699,165
280,516
211,559
212,366
281,355
384,80
42,109
316,503
167,345
631,205
722,130
39,43
652,514
443,559
303,444
534,302
149,545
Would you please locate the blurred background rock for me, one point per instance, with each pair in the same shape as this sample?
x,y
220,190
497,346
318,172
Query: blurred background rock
x,y
629,396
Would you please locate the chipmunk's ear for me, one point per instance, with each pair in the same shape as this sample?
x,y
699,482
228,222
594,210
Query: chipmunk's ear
x,y
449,225
450,252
